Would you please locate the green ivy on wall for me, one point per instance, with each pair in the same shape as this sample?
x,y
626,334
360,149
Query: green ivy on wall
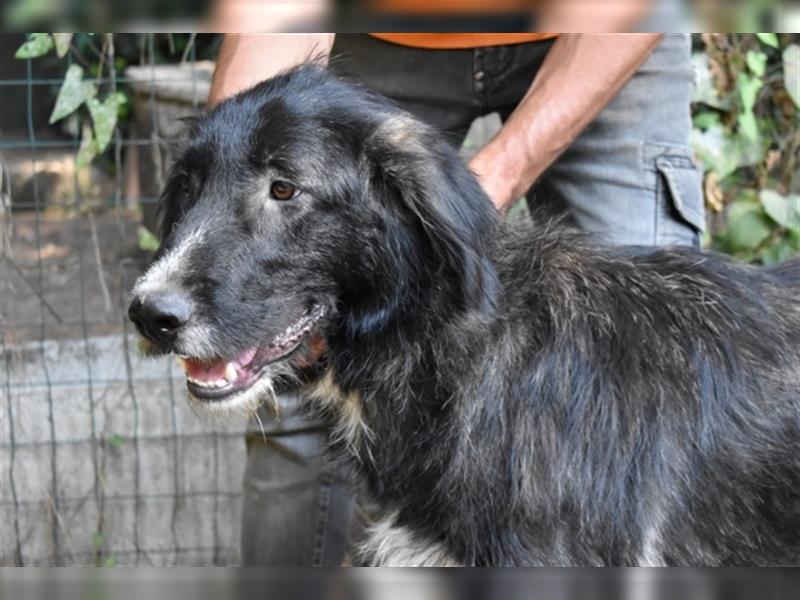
x,y
746,138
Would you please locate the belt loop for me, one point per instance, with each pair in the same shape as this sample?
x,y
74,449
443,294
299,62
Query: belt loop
x,y
478,71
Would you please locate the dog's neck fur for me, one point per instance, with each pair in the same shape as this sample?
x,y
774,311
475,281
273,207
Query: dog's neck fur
x,y
404,378
440,425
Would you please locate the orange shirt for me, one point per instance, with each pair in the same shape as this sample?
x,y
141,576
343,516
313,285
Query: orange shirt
x,y
442,41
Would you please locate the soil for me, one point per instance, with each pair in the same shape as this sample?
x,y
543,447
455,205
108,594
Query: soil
x,y
65,276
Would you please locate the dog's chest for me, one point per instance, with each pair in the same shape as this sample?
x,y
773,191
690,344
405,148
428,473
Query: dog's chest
x,y
391,545
346,410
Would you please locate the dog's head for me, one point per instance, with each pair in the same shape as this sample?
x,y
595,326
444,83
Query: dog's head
x,y
303,209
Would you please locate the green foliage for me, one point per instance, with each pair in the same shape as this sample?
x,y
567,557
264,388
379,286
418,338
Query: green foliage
x,y
98,541
77,95
110,561
38,44
147,241
100,107
746,139
88,148
104,117
74,92
770,39
784,210
791,72
756,62
62,41
116,440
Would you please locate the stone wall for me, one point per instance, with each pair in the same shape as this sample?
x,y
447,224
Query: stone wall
x,y
102,461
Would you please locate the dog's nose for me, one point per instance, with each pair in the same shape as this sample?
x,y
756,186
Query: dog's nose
x,y
160,316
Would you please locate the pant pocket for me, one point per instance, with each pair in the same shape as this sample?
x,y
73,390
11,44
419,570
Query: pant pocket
x,y
680,213
681,183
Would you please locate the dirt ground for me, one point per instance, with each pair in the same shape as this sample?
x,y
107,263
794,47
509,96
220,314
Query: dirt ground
x,y
65,276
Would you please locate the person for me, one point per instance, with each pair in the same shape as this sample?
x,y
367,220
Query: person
x,y
596,126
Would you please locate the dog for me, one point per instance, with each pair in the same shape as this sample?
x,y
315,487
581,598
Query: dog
x,y
508,393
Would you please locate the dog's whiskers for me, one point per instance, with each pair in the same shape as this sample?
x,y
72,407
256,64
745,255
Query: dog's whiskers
x,y
260,426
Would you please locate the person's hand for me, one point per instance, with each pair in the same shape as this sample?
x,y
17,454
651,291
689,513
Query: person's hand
x,y
502,175
578,78
247,59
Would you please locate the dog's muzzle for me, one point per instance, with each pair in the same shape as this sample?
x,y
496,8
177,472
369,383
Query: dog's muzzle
x,y
159,317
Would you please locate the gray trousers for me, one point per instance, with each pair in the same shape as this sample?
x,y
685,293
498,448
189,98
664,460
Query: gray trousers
x,y
628,179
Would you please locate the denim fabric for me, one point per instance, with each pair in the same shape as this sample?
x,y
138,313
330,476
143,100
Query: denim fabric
x,y
629,178
297,502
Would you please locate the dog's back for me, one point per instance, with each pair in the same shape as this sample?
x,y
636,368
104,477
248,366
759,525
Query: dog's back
x,y
627,407
661,402
787,272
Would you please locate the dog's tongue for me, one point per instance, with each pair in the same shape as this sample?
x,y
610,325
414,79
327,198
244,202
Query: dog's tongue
x,y
205,371
215,370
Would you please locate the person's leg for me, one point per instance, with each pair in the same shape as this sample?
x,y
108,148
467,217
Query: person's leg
x,y
297,504
436,86
630,178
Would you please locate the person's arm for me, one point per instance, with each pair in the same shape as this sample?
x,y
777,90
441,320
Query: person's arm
x,y
580,75
247,59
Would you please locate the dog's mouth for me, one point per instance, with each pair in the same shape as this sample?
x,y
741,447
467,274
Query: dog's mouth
x,y
219,379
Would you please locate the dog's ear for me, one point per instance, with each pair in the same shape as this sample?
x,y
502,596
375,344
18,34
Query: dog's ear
x,y
413,167
171,205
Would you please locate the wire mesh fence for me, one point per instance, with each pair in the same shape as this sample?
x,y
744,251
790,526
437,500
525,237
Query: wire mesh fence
x,y
101,458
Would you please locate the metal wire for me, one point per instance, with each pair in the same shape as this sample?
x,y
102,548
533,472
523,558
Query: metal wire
x,y
95,441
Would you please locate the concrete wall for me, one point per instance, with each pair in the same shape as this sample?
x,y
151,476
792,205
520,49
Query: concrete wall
x,y
103,461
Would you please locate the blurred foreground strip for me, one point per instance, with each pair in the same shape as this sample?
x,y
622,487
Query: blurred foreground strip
x,y
285,16
400,584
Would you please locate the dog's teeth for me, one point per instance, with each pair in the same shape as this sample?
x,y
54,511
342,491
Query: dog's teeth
x,y
209,384
181,361
230,372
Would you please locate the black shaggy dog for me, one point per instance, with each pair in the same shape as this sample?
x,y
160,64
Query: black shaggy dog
x,y
508,394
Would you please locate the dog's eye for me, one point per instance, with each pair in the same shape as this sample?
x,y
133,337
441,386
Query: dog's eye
x,y
282,190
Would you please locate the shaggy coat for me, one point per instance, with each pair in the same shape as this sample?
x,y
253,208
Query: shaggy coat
x,y
508,394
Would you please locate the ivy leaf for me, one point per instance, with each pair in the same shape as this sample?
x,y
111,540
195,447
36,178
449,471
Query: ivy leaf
x,y
74,92
62,41
756,62
717,149
748,227
147,241
87,150
747,125
706,119
37,45
704,89
748,93
770,39
791,72
748,90
104,116
783,250
97,539
116,440
784,210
